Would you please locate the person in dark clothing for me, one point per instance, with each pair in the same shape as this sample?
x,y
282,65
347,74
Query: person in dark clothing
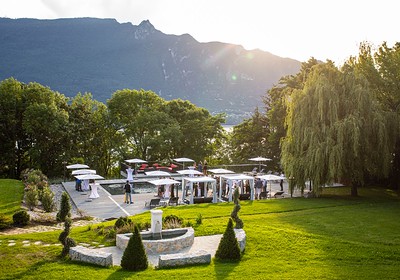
x,y
128,193
281,184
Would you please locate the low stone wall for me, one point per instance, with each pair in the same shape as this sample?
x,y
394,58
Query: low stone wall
x,y
184,259
167,245
241,238
83,254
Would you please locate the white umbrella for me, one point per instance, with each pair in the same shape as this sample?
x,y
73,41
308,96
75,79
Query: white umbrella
x,y
259,159
220,171
135,160
189,172
183,160
89,177
157,173
77,166
83,171
164,182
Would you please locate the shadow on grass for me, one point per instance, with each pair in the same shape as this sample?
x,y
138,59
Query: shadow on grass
x,y
223,269
123,274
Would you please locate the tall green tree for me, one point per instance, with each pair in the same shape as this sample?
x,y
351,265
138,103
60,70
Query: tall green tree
x,y
45,122
335,130
382,70
249,138
33,123
13,142
199,133
142,120
92,134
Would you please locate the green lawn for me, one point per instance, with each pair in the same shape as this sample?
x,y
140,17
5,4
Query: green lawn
x,y
333,237
11,194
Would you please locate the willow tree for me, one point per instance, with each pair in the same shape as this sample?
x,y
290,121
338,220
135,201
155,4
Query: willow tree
x,y
335,130
382,70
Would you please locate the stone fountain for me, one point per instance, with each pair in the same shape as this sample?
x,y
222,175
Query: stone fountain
x,y
157,240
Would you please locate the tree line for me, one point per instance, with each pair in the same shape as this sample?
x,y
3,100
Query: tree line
x,y
322,125
42,129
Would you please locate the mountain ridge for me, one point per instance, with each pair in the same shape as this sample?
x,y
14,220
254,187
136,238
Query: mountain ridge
x,y
102,55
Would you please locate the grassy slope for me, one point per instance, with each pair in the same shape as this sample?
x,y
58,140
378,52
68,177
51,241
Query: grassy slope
x,y
11,195
328,238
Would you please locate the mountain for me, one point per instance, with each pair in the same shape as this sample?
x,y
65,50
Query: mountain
x,y
101,56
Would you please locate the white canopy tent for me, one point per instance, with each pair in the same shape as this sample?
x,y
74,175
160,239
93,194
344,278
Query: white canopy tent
x,y
202,179
238,177
271,177
166,182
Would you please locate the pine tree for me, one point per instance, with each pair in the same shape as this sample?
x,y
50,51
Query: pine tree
x,y
134,257
228,248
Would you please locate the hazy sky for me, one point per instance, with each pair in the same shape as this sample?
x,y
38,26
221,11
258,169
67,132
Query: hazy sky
x,y
299,29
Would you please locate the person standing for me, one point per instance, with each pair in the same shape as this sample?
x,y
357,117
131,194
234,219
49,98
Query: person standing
x,y
128,194
200,167
258,186
205,167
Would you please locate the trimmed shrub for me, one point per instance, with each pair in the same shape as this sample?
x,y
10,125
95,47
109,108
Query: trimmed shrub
x,y
5,221
122,222
236,209
65,208
21,218
48,200
65,240
31,197
134,257
228,248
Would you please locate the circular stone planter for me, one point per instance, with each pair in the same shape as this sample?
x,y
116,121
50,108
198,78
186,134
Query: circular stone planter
x,y
172,240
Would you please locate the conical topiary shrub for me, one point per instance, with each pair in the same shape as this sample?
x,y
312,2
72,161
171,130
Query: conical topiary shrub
x,y
134,257
228,248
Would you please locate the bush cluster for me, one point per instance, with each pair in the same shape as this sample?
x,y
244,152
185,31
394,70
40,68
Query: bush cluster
x,y
37,189
122,222
21,218
172,221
